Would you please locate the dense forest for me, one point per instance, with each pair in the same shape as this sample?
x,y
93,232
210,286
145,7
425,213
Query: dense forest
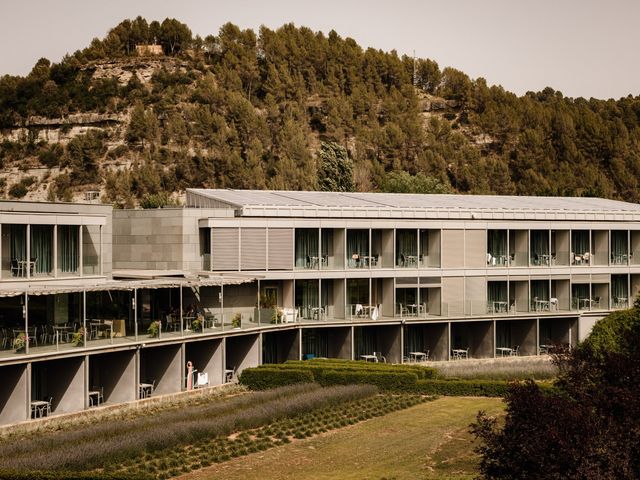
x,y
295,109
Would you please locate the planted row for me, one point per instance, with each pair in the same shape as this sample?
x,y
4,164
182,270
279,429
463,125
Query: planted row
x,y
175,461
115,442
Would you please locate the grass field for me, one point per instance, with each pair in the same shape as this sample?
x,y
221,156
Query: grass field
x,y
428,441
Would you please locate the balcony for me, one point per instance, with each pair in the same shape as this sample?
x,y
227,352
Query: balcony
x,y
31,251
358,249
580,248
406,248
539,248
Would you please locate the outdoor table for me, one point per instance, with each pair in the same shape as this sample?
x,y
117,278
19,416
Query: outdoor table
x,y
541,305
504,350
146,389
102,326
62,330
499,306
459,353
584,302
412,309
545,348
317,313
94,394
39,408
188,320
367,358
418,356
228,375
411,259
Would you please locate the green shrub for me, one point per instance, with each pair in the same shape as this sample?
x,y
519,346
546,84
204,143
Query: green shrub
x,y
265,378
18,190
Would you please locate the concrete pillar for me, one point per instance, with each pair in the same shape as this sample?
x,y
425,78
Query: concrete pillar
x,y
13,394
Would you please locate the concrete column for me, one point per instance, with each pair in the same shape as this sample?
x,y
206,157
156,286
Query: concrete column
x,y
13,394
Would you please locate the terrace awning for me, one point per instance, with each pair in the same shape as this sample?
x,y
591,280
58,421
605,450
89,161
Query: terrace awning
x,y
124,285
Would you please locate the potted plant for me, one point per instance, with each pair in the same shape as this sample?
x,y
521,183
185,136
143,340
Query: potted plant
x,y
77,340
276,315
196,324
154,328
236,320
20,342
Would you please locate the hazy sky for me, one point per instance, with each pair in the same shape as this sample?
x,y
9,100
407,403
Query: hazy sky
x,y
581,47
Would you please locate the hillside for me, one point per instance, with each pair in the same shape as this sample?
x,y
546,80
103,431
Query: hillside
x,y
294,109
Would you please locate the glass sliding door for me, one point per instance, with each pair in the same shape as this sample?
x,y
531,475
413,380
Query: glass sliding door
x,y
497,248
68,250
407,248
580,299
619,247
619,291
358,248
497,301
41,249
307,299
18,250
540,295
539,248
307,252
358,297
580,247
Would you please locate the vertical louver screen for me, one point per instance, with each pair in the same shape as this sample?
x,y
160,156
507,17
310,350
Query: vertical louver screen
x,y
253,251
452,248
280,249
224,255
476,248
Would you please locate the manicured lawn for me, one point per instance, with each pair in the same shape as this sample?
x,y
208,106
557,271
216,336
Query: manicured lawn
x,y
428,441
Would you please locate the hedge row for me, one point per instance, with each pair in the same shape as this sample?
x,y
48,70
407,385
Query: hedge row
x,y
264,378
63,475
271,376
356,365
462,388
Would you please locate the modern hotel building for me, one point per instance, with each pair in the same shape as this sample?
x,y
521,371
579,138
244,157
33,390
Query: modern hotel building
x,y
239,278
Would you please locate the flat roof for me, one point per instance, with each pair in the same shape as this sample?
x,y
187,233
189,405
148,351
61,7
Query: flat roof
x,y
293,203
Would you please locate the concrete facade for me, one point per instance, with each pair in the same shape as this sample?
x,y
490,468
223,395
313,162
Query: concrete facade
x,y
276,276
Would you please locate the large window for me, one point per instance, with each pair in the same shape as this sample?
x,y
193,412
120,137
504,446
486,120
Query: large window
x,y
68,249
358,248
42,249
497,248
307,253
407,248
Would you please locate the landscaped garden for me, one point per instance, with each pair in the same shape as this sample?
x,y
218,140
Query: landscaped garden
x,y
176,441
275,406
